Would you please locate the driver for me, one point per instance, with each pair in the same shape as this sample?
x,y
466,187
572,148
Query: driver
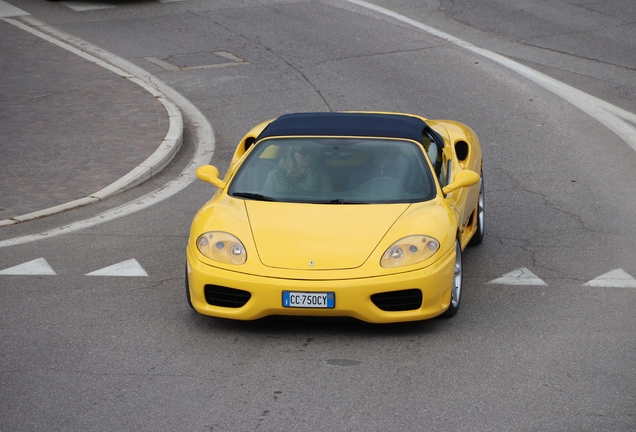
x,y
298,171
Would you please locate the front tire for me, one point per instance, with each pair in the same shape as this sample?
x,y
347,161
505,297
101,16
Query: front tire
x,y
187,287
478,237
456,288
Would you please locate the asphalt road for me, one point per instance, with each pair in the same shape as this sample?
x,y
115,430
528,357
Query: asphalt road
x,y
555,352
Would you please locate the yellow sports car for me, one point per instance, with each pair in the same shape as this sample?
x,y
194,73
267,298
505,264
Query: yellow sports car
x,y
358,214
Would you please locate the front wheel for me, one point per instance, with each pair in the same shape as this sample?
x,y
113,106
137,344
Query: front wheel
x,y
456,288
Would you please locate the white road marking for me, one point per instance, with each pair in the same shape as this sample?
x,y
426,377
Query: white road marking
x,y
36,267
618,278
203,141
521,276
614,118
129,267
7,10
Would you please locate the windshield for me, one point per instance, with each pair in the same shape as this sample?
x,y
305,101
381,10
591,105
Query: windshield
x,y
335,171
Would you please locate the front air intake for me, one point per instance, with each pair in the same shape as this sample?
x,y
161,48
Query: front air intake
x,y
396,301
225,297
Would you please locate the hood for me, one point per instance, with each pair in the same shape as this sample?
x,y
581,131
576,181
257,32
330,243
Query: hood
x,y
318,237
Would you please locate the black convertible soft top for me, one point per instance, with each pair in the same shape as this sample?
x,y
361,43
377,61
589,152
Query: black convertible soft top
x,y
349,124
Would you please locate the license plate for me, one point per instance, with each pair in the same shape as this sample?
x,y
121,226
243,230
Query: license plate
x,y
292,299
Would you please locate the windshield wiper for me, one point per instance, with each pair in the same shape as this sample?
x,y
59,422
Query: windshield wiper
x,y
254,196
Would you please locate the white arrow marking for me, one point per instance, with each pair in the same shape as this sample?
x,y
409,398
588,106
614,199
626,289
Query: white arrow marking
x,y
616,279
36,267
521,276
125,268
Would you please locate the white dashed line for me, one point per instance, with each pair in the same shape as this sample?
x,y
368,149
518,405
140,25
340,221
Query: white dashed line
x,y
618,278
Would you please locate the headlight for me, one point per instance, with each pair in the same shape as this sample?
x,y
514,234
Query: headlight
x,y
222,247
409,250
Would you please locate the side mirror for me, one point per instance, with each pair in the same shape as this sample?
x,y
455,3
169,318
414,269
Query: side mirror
x,y
210,174
463,178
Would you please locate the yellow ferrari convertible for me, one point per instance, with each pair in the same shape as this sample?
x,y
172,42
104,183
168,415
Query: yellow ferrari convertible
x,y
358,214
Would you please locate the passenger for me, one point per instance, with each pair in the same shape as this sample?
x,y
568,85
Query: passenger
x,y
298,171
388,162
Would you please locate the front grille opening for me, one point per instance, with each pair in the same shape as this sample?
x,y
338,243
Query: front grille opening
x,y
395,301
225,297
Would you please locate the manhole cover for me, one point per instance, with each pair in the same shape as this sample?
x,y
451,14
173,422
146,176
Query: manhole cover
x,y
197,61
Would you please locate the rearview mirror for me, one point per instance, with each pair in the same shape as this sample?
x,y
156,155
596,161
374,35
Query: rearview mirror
x,y
463,178
210,174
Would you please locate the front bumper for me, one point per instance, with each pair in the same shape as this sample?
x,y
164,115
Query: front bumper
x,y
353,296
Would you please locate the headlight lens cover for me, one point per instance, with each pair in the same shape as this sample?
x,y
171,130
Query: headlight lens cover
x,y
222,247
409,250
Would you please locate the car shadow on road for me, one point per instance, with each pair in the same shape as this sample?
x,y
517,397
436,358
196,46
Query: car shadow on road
x,y
319,326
